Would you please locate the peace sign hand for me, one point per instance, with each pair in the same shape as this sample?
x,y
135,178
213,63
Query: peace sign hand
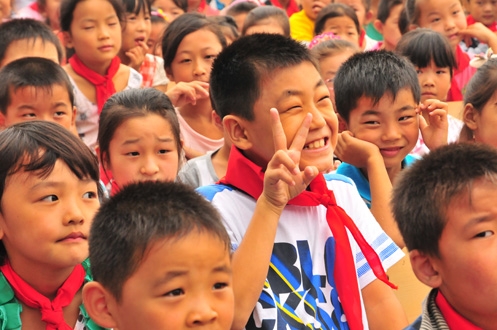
x,y
283,179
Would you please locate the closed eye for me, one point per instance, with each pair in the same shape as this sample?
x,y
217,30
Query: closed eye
x,y
404,118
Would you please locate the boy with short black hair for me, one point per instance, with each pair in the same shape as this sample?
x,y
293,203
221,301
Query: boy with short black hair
x,y
387,23
160,258
36,88
28,37
297,265
445,208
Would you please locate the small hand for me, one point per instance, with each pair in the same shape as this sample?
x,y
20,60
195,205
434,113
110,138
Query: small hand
x,y
435,131
137,55
355,151
188,92
283,179
478,31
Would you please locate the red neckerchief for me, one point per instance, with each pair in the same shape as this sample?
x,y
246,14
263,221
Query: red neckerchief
x,y
470,20
362,37
103,84
453,319
248,177
51,311
34,6
291,9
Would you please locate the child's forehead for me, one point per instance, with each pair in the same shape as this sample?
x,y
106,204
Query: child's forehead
x,y
39,93
32,46
356,4
403,100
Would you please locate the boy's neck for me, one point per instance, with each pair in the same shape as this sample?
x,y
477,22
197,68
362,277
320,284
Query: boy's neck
x,y
220,160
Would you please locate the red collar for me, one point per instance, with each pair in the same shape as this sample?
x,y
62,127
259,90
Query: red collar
x,y
453,319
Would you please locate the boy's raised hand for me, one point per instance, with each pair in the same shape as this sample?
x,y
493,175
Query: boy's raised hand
x,y
354,151
434,132
480,32
188,92
283,179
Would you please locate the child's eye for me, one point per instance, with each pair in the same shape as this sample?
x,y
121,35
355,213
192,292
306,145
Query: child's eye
x,y
175,293
210,57
131,17
50,198
185,60
60,113
133,153
372,122
219,286
418,71
163,151
404,118
87,27
455,12
486,233
327,97
90,195
441,71
435,20
29,115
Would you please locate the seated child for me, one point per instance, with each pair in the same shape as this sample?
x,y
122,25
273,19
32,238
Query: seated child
x,y
445,208
302,22
387,23
266,19
239,10
484,11
49,195
434,61
25,38
479,114
265,172
447,17
35,88
341,20
364,14
160,258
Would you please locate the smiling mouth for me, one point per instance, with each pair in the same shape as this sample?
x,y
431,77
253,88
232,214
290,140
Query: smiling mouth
x,y
316,144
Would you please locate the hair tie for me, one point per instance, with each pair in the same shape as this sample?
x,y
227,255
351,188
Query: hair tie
x,y
481,59
322,37
159,13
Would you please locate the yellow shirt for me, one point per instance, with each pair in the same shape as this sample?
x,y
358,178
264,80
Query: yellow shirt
x,y
301,27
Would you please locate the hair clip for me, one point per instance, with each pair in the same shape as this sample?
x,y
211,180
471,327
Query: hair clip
x,y
159,13
322,37
481,59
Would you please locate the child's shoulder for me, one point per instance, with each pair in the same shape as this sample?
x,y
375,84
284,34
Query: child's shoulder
x,y
127,78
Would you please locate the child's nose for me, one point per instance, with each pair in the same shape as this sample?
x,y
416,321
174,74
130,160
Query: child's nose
x,y
201,313
428,81
103,33
318,120
149,167
73,214
199,69
391,133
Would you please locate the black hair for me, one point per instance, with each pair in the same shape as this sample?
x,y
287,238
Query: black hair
x,y
333,47
335,10
403,21
479,91
373,74
412,11
425,191
258,15
180,28
140,215
136,6
35,146
227,25
67,8
182,4
29,29
239,70
421,46
385,8
133,103
243,7
31,72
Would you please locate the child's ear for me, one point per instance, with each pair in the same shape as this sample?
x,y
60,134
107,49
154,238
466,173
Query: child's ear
x,y
98,303
169,74
342,122
425,268
369,17
469,116
234,128
217,120
103,158
412,27
67,39
378,25
2,121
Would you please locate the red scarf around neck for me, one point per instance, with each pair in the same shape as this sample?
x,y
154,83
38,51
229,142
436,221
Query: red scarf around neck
x,y
51,311
103,84
248,177
453,319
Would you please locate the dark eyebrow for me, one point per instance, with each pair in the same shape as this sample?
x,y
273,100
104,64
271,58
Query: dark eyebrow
x,y
130,142
377,113
291,92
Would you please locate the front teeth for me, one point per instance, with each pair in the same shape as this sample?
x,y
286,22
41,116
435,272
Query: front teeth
x,y
316,144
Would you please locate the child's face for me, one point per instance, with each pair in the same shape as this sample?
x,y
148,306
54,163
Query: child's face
x,y
153,41
391,125
95,35
343,27
266,26
484,11
313,7
29,47
434,82
468,253
444,16
294,92
169,8
143,149
5,9
52,11
179,287
136,30
240,19
485,123
45,222
194,57
360,10
390,29
31,103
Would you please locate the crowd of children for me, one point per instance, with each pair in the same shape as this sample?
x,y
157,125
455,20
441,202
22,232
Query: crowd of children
x,y
248,164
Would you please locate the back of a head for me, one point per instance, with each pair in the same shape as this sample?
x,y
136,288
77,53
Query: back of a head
x,y
335,10
424,191
332,47
373,74
31,72
139,215
239,70
258,15
240,7
421,46
27,29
